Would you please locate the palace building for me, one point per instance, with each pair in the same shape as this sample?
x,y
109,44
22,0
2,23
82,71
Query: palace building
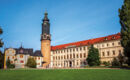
x,y
71,55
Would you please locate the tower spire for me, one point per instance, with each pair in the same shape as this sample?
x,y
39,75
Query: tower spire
x,y
45,16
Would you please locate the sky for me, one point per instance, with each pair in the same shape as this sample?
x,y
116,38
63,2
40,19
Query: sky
x,y
70,21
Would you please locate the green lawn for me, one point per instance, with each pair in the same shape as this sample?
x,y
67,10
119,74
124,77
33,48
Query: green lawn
x,y
66,74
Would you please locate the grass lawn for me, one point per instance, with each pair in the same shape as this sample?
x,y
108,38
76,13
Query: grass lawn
x,y
66,74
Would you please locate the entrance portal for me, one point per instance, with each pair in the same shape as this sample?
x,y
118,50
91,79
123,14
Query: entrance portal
x,y
70,64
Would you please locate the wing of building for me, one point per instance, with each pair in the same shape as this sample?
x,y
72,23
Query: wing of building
x,y
75,54
19,56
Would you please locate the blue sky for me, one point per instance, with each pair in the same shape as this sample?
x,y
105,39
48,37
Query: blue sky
x,y
71,20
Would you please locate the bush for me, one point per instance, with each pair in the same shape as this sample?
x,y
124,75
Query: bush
x,y
115,62
106,63
11,66
31,63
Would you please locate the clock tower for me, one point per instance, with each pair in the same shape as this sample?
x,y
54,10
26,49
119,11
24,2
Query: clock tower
x,y
45,41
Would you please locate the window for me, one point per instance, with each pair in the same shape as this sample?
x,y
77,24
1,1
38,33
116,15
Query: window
x,y
119,51
84,48
21,56
81,55
67,56
80,48
38,63
64,57
119,43
113,43
103,54
102,45
12,57
113,52
107,44
77,49
84,55
70,50
77,56
21,61
70,56
11,62
8,57
61,57
67,50
73,49
108,53
73,55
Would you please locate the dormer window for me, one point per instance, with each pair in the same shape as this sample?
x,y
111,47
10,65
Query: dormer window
x,y
113,37
105,38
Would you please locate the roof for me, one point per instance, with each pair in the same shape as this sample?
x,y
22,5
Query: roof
x,y
24,51
87,42
38,53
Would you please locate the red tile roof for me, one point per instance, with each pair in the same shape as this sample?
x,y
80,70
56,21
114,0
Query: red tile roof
x,y
87,42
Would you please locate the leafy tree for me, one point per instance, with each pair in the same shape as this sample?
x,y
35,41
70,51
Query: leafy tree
x,y
93,57
1,60
121,59
9,65
1,55
31,63
124,14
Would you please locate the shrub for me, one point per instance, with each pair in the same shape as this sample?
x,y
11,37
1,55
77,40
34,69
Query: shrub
x,y
115,62
106,63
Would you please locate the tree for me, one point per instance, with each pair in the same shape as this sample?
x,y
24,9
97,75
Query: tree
x,y
1,60
115,62
31,63
1,55
93,57
124,14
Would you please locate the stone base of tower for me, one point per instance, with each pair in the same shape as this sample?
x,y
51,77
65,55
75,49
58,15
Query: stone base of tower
x,y
46,52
